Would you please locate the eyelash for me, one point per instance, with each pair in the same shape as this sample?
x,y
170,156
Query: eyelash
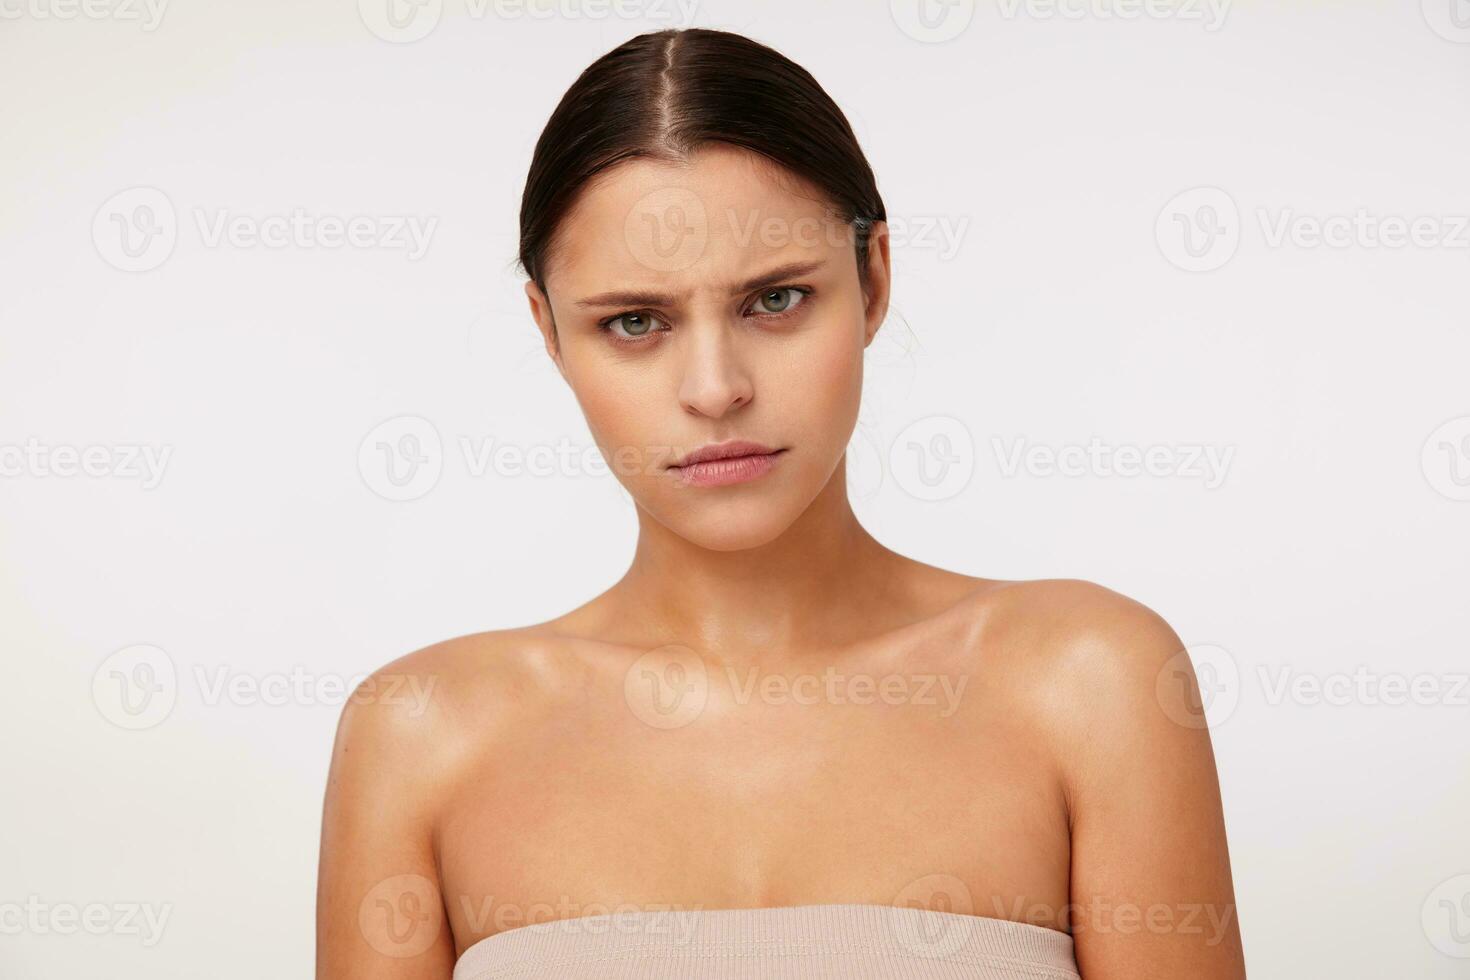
x,y
803,291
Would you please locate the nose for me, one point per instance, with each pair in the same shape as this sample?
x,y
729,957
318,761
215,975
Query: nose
x,y
715,379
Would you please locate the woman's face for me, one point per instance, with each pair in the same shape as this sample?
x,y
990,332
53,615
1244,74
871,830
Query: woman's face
x,y
708,301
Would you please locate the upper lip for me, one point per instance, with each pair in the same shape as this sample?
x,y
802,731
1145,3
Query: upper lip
x,y
724,450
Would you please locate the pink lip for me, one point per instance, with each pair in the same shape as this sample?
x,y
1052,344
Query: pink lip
x,y
725,463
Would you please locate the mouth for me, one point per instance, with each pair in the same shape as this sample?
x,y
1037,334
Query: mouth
x,y
724,463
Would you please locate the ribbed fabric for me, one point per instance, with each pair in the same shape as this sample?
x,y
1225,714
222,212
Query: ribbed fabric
x,y
811,942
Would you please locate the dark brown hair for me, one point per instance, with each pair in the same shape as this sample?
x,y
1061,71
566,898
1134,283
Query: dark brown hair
x,y
660,95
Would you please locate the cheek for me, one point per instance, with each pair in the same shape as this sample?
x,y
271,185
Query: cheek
x,y
619,409
632,431
824,383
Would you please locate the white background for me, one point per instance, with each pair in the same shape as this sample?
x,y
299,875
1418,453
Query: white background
x,y
1051,150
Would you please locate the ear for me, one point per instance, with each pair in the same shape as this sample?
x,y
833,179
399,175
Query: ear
x,y
541,313
879,280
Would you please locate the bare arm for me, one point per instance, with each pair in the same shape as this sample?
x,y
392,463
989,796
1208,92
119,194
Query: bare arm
x,y
379,911
1151,890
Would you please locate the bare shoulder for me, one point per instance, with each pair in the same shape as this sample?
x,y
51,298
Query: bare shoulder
x,y
1086,659
1107,685
404,738
1113,699
424,710
1072,626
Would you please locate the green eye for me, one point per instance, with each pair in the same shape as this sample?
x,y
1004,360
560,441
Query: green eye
x,y
776,301
633,324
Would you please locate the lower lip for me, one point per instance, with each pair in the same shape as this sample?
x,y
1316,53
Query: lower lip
x,y
723,472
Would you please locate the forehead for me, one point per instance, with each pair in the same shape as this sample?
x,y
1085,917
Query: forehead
x,y
722,215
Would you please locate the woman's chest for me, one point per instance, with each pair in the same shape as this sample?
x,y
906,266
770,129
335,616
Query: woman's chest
x,y
756,810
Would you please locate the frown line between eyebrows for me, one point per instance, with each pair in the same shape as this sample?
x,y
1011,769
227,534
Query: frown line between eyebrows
x,y
771,277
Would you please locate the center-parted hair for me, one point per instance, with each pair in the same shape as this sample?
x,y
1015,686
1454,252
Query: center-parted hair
x,y
660,95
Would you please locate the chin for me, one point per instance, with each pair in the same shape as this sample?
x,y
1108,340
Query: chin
x,y
724,525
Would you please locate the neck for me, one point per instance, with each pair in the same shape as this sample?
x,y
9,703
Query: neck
x,y
815,585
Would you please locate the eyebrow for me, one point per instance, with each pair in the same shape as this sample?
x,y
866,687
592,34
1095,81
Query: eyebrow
x,y
768,278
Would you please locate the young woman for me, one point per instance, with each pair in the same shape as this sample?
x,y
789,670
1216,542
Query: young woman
x,y
775,747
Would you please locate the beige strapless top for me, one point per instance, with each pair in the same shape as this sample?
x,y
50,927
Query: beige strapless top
x,y
811,942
